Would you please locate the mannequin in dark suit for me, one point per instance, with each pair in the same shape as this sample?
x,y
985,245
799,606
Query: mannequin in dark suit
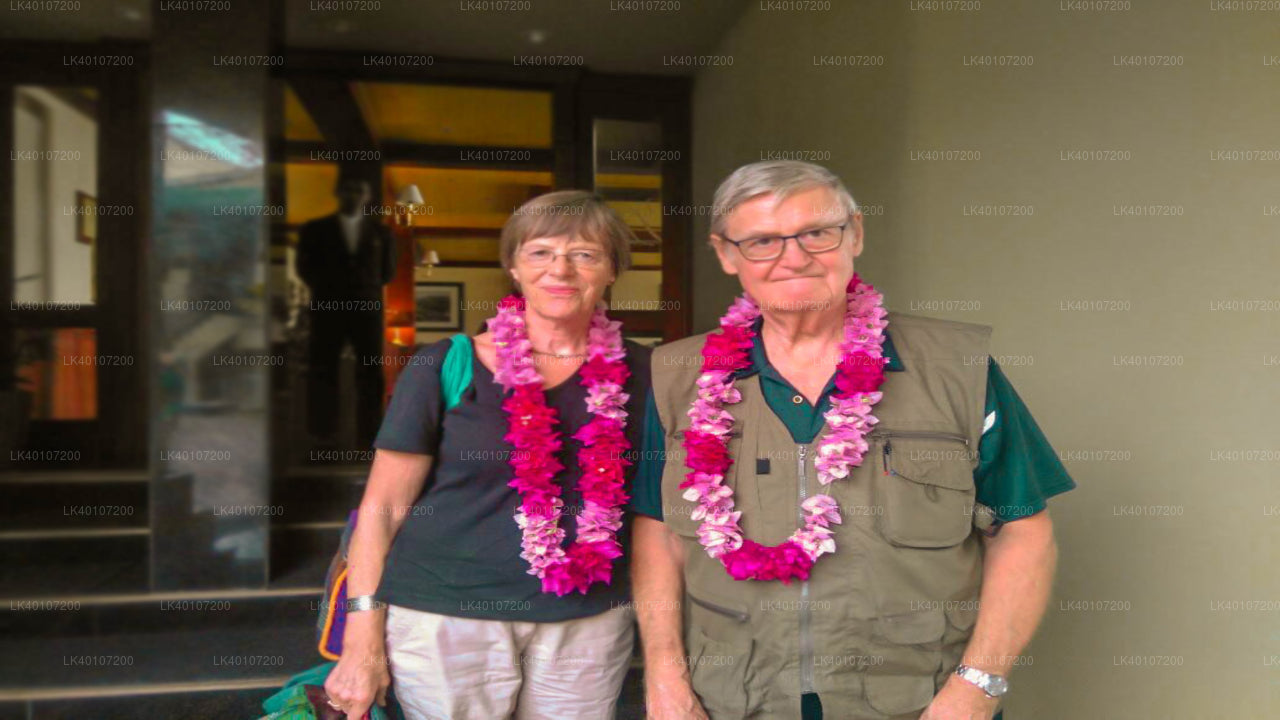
x,y
345,259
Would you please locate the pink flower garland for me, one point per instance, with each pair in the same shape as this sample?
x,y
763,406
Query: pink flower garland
x,y
531,430
706,442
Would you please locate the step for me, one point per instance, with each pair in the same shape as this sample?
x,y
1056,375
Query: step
x,y
231,699
99,642
75,500
65,563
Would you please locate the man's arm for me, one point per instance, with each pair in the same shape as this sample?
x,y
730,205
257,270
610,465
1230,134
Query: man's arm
x,y
1017,578
657,580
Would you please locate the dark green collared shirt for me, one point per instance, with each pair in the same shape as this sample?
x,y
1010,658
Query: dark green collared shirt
x,y
1018,470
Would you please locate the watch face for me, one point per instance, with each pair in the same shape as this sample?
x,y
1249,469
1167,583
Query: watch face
x,y
997,685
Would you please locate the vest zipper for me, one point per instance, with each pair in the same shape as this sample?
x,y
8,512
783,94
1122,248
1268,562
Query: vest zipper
x,y
735,614
806,633
924,434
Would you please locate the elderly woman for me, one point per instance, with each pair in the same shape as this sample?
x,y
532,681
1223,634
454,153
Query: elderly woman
x,y
491,527
808,485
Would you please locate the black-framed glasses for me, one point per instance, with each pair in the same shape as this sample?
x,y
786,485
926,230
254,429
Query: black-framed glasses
x,y
818,240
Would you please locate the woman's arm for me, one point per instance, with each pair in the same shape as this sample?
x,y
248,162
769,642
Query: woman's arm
x,y
362,676
395,482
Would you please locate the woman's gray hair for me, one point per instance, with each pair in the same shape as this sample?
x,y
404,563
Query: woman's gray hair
x,y
781,178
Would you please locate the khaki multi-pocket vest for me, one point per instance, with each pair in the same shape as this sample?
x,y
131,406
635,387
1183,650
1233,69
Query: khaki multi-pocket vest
x,y
883,621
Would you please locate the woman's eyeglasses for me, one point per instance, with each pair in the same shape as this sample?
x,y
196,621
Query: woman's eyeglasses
x,y
818,240
541,257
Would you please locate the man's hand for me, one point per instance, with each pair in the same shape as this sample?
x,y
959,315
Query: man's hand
x,y
959,700
671,698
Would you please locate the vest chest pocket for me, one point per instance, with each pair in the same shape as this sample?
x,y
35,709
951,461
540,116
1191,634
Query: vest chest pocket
x,y
925,488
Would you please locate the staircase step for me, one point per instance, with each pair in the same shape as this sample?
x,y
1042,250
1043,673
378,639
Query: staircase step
x,y
80,501
148,639
68,564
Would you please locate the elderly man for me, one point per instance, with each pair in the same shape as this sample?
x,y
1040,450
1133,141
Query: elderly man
x,y
851,501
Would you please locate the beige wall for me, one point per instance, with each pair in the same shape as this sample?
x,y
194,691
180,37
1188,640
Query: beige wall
x,y
1134,435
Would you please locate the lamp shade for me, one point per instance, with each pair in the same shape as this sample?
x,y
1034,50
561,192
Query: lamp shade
x,y
409,195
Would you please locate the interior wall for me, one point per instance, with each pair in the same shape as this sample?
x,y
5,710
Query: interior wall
x,y
1131,288
65,266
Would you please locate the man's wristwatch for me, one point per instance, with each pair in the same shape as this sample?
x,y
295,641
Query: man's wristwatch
x,y
364,602
993,685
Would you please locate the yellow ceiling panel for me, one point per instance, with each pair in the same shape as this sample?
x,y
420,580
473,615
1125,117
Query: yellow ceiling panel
x,y
617,180
451,115
298,124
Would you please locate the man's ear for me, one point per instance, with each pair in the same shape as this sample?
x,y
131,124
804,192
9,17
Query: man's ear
x,y
723,251
855,227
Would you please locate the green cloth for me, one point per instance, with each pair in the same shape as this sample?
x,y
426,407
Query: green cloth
x,y
1018,470
455,373
290,702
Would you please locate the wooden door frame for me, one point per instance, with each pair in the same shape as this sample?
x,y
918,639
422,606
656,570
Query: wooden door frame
x,y
665,100
118,436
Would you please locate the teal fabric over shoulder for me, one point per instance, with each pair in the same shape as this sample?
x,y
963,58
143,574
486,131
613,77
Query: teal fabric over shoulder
x,y
455,374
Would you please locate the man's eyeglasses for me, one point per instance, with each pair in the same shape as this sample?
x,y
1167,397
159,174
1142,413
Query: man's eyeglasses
x,y
818,240
541,257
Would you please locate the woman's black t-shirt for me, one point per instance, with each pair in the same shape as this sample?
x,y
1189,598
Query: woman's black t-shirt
x,y
458,551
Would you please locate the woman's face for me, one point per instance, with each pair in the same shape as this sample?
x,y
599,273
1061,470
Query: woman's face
x,y
797,280
562,277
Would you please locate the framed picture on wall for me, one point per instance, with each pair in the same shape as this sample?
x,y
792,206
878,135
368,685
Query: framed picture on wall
x,y
86,218
438,306
652,341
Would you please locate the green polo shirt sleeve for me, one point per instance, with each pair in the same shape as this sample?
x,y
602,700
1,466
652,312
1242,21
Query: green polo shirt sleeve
x,y
646,488
1018,470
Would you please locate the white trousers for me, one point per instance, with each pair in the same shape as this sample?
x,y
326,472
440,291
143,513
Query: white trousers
x,y
452,668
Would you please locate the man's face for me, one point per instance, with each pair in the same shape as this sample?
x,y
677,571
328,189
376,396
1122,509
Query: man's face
x,y
797,280
352,195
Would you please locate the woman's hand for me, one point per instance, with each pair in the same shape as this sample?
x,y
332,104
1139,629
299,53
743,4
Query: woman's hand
x,y
361,676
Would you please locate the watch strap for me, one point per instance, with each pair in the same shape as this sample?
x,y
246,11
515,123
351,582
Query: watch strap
x,y
364,602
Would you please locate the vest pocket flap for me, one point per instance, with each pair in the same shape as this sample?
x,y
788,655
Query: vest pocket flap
x,y
898,694
918,464
925,626
728,608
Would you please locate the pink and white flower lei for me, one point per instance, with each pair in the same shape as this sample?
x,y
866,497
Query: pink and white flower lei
x,y
531,431
706,442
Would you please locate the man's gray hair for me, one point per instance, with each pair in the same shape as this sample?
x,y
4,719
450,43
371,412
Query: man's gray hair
x,y
781,178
